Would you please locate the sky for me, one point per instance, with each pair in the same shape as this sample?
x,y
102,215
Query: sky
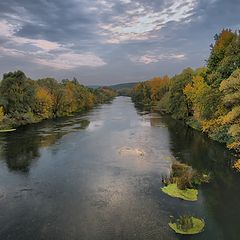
x,y
103,42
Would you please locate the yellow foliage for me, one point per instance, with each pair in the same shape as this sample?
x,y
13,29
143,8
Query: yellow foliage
x,y
69,98
209,125
231,89
234,145
236,165
234,130
1,113
196,92
232,115
44,102
156,84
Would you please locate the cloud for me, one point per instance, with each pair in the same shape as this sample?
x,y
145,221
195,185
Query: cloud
x,y
64,38
71,60
10,52
143,22
48,53
147,59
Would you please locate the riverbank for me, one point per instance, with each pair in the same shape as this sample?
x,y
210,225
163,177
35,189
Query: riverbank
x,y
92,191
25,101
10,124
190,122
206,98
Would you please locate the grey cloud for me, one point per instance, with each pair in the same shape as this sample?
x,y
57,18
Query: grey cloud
x,y
97,41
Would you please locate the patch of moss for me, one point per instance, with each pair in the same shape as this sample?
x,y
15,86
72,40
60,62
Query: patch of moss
x,y
7,130
186,194
187,225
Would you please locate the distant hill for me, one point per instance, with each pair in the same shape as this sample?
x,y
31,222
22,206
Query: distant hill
x,y
123,85
94,86
116,86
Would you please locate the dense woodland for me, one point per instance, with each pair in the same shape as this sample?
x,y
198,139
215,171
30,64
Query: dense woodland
x,y
23,100
208,98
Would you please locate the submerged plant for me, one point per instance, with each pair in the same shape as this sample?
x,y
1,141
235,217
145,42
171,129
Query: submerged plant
x,y
187,225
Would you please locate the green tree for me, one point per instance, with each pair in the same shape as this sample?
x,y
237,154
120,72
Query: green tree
x,y
179,105
18,93
224,57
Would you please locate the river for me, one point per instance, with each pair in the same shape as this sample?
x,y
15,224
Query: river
x,y
67,179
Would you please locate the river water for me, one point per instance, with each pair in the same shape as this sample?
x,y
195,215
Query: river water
x,y
68,179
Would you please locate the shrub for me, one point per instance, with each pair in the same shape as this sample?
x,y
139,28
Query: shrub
x,y
185,177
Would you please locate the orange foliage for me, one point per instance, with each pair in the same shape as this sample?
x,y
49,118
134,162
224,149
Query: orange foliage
x,y
156,84
223,40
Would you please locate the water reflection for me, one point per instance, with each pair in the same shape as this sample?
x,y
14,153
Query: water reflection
x,y
94,125
222,194
218,200
78,186
21,148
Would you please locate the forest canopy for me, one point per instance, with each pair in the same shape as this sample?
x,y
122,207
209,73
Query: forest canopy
x,y
207,98
23,100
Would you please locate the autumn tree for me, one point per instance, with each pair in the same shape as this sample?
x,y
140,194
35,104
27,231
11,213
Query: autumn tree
x,y
158,87
224,57
179,104
56,90
231,89
142,93
1,113
199,93
44,103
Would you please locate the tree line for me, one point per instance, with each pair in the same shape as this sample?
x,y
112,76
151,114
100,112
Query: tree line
x,y
23,100
207,98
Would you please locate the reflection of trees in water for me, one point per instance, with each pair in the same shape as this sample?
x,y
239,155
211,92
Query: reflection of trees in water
x,y
196,149
22,147
155,122
19,152
222,193
141,109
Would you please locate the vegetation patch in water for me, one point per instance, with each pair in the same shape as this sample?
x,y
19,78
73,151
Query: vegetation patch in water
x,y
185,176
185,194
7,130
187,225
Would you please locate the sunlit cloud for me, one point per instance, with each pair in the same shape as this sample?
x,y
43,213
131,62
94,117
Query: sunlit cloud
x,y
143,23
71,60
147,59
